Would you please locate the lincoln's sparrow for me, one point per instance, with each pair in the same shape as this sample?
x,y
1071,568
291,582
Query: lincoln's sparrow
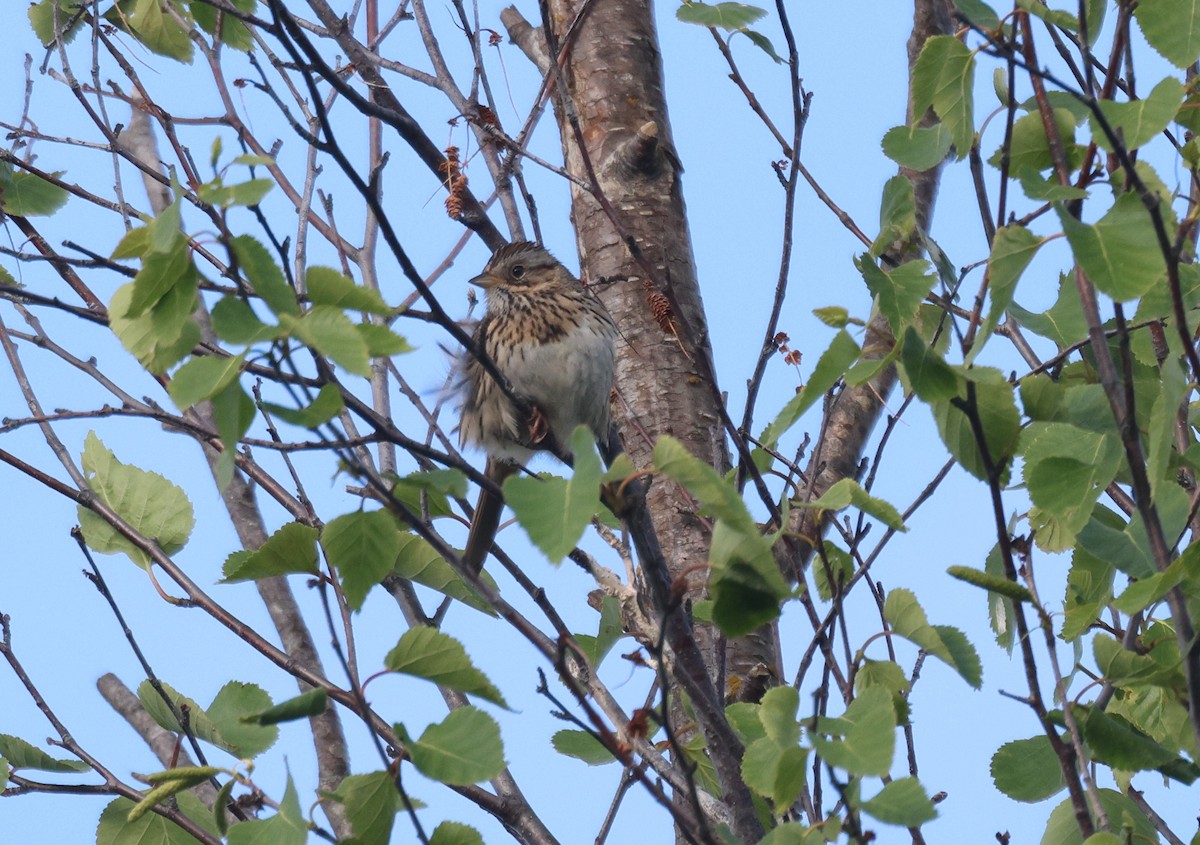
x,y
553,341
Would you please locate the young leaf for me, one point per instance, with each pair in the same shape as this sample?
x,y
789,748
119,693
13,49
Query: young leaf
x,y
326,405
902,802
151,505
264,275
329,331
1139,121
371,803
1012,249
908,620
362,546
1120,252
865,735
232,713
554,512
942,79
156,27
307,704
997,415
425,652
327,286
202,378
292,548
991,583
1172,27
1027,770
115,827
917,147
897,215
29,195
582,746
848,492
286,827
898,291
454,833
834,361
462,749
226,28
21,755
727,16
927,372
419,563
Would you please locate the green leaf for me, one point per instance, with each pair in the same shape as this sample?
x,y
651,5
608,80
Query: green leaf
x,y
834,316
419,563
371,803
942,79
226,28
728,16
775,771
848,492
1066,469
1055,17
155,27
834,361
898,291
455,833
292,548
248,193
1115,742
1172,27
761,42
152,506
716,496
1089,590
888,675
29,195
998,418
555,511
1140,594
233,712
927,372
1027,770
162,271
234,321
897,215
362,546
42,18
902,802
917,147
286,827
264,275
381,341
21,755
428,492
1120,252
582,746
1012,249
1049,190
978,13
233,411
609,632
425,652
1030,148
1063,828
1139,121
329,331
991,583
866,735
463,749
162,336
908,620
202,378
833,569
115,827
307,704
327,286
325,406
1063,323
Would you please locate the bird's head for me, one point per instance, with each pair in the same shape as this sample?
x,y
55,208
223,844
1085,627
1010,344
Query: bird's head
x,y
522,267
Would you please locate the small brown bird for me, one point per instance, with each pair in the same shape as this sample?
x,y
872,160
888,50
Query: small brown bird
x,y
553,341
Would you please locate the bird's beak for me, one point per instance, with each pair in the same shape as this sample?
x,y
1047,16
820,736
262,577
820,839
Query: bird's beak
x,y
486,281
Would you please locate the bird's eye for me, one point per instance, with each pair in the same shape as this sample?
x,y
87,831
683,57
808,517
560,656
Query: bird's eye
x,y
518,271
